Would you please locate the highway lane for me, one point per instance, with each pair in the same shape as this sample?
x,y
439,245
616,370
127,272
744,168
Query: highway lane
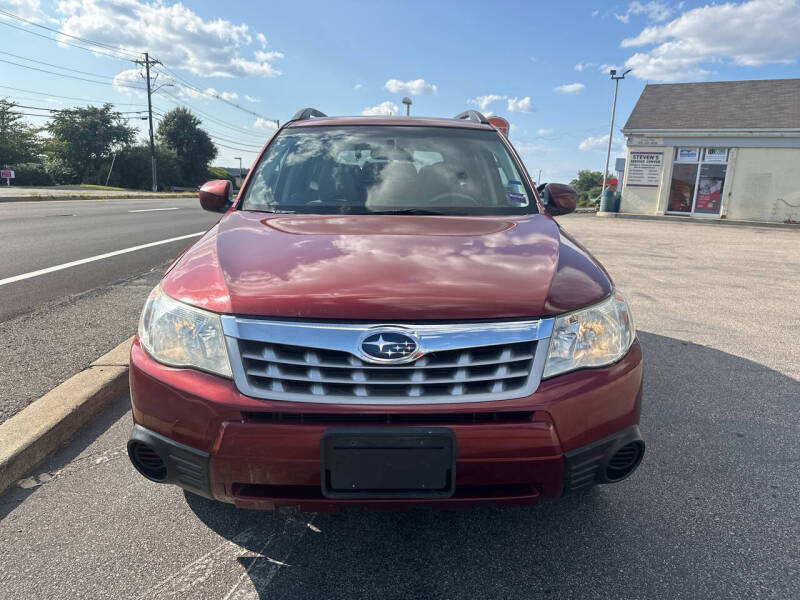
x,y
36,236
55,324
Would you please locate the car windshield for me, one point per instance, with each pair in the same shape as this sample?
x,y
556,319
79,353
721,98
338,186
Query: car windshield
x,y
375,169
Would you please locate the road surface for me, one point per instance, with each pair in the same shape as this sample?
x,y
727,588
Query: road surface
x,y
56,322
711,513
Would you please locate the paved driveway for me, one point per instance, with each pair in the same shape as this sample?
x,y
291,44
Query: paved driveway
x,y
712,513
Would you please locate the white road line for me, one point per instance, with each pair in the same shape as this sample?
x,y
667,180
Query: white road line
x,y
153,209
83,261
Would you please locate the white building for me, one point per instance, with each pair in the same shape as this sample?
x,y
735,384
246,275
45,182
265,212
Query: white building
x,y
728,149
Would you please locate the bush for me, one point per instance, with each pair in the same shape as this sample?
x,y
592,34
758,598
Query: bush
x,y
220,173
132,168
31,174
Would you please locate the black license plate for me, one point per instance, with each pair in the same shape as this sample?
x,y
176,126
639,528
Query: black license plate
x,y
388,462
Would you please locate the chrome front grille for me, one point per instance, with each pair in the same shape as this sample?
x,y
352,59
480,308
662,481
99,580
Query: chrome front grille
x,y
333,373
319,362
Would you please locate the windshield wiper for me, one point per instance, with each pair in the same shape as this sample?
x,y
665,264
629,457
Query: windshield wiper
x,y
407,211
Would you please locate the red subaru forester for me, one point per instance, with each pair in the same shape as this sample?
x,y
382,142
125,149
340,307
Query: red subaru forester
x,y
386,315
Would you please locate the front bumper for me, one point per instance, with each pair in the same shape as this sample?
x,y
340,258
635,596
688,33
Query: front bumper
x,y
219,443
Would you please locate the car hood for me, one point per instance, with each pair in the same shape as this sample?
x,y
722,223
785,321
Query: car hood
x,y
386,267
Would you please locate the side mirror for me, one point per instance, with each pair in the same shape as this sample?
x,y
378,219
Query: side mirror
x,y
558,199
215,195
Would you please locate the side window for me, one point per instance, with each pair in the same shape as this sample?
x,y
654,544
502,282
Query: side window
x,y
512,181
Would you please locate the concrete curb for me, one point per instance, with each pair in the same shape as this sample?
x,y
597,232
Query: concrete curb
x,y
28,437
89,197
700,221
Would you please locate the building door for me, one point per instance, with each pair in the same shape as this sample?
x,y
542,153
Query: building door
x,y
698,179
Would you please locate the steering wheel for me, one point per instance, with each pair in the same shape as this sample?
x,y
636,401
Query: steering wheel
x,y
454,195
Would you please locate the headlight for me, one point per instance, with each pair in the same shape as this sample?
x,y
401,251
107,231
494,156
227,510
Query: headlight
x,y
593,337
180,335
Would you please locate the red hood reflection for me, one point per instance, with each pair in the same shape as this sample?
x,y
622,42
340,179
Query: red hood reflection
x,y
386,267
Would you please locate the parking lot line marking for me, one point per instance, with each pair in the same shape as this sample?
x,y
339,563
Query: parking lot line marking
x,y
153,209
83,261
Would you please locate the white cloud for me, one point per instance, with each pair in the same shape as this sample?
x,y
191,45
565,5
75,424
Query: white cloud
x,y
654,11
172,33
570,88
264,124
606,67
208,92
27,9
125,79
751,33
414,87
253,99
544,132
386,108
483,102
523,105
593,143
358,86
262,39
601,143
595,12
579,67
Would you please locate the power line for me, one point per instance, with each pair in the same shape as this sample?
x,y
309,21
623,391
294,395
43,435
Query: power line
x,y
8,87
47,37
70,76
41,62
74,37
230,141
125,112
180,102
86,100
210,94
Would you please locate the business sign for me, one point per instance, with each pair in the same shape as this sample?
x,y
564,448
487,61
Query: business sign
x,y
644,169
638,140
6,174
688,154
716,155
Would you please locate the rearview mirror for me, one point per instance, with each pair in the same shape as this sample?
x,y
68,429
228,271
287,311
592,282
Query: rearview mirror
x,y
215,195
558,199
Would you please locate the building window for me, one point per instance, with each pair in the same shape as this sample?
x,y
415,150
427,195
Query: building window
x,y
698,178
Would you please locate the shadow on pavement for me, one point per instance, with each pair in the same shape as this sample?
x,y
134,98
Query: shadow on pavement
x,y
63,457
711,512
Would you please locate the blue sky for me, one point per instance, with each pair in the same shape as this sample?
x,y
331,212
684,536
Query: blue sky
x,y
542,65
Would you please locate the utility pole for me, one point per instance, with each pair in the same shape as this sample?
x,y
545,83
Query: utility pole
x,y
611,130
147,62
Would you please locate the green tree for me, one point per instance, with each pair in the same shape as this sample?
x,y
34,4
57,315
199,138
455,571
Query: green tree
x,y
84,139
587,187
180,130
132,167
19,143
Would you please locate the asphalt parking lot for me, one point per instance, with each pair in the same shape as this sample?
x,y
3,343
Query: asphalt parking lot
x,y
713,511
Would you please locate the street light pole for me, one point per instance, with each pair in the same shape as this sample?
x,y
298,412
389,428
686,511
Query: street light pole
x,y
239,158
611,129
407,102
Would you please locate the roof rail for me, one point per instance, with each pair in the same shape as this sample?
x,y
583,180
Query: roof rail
x,y
307,113
472,115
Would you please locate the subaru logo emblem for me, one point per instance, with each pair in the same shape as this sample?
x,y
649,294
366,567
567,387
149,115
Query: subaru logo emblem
x,y
389,346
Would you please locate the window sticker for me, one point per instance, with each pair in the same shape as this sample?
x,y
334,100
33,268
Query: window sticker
x,y
515,199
